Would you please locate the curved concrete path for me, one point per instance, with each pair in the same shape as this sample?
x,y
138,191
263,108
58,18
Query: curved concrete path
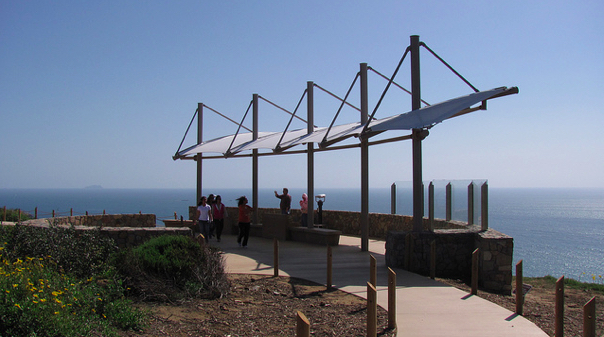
x,y
424,307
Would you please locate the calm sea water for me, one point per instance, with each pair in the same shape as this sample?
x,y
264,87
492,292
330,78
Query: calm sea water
x,y
556,231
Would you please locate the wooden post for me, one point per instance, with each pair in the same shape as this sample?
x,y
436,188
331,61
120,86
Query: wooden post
x,y
329,268
559,317
71,211
519,289
276,257
36,210
391,299
175,216
19,215
589,318
371,311
302,325
373,270
103,212
407,260
475,256
53,214
433,259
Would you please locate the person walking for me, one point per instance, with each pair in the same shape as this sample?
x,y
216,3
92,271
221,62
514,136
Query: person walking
x,y
244,221
204,217
219,212
286,201
211,202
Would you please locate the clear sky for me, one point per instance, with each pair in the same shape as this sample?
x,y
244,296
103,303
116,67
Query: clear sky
x,y
101,92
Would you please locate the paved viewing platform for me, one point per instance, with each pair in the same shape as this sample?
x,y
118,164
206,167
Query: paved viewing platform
x,y
425,307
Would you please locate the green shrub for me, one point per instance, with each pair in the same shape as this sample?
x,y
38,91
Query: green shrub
x,y
82,254
37,300
12,215
169,268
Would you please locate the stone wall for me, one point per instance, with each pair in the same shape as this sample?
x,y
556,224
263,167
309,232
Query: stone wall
x,y
127,230
454,247
107,220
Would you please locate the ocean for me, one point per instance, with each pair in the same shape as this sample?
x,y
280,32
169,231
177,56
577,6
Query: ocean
x,y
556,231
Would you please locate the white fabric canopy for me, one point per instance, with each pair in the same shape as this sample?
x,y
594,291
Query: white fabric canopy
x,y
433,114
415,119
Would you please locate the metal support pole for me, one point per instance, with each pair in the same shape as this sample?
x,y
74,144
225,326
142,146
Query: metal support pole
x,y
199,155
393,198
255,159
431,205
449,202
364,163
416,136
484,206
310,165
471,203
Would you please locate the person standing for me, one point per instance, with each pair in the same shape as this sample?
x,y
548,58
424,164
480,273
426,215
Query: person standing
x,y
219,212
304,210
286,201
204,217
244,221
211,202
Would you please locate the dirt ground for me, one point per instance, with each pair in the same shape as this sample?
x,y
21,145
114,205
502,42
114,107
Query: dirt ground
x,y
267,306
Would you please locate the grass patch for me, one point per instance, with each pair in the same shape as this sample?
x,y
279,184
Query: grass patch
x,y
568,282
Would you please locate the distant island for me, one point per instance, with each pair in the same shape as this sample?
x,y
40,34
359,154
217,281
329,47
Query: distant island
x,y
93,187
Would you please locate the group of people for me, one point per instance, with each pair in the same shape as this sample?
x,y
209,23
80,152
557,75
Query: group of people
x,y
211,213
286,203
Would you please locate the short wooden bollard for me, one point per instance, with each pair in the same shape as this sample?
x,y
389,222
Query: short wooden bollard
x,y
373,270
371,310
302,325
71,212
475,256
329,268
519,289
391,299
433,259
559,318
4,215
53,214
36,210
275,257
589,318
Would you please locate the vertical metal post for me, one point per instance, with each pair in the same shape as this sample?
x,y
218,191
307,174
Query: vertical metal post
x,y
275,257
329,267
471,203
449,202
371,310
372,270
364,163
484,206
199,156
310,164
589,318
255,158
393,198
416,137
431,205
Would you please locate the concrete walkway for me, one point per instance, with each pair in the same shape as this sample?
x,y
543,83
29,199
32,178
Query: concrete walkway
x,y
424,307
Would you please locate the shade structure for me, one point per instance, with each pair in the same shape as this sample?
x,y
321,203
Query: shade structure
x,y
221,144
433,114
422,118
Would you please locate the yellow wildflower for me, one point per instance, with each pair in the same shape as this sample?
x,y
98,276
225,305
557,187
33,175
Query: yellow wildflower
x,y
43,300
18,306
15,285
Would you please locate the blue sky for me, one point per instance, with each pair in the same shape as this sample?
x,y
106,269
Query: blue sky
x,y
102,92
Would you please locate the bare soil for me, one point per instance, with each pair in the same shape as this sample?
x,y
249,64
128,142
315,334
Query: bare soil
x,y
266,306
261,305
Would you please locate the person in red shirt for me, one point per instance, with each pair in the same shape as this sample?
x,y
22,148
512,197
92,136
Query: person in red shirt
x,y
244,221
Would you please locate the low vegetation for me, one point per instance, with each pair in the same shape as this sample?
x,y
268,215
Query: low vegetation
x,y
59,282
14,215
